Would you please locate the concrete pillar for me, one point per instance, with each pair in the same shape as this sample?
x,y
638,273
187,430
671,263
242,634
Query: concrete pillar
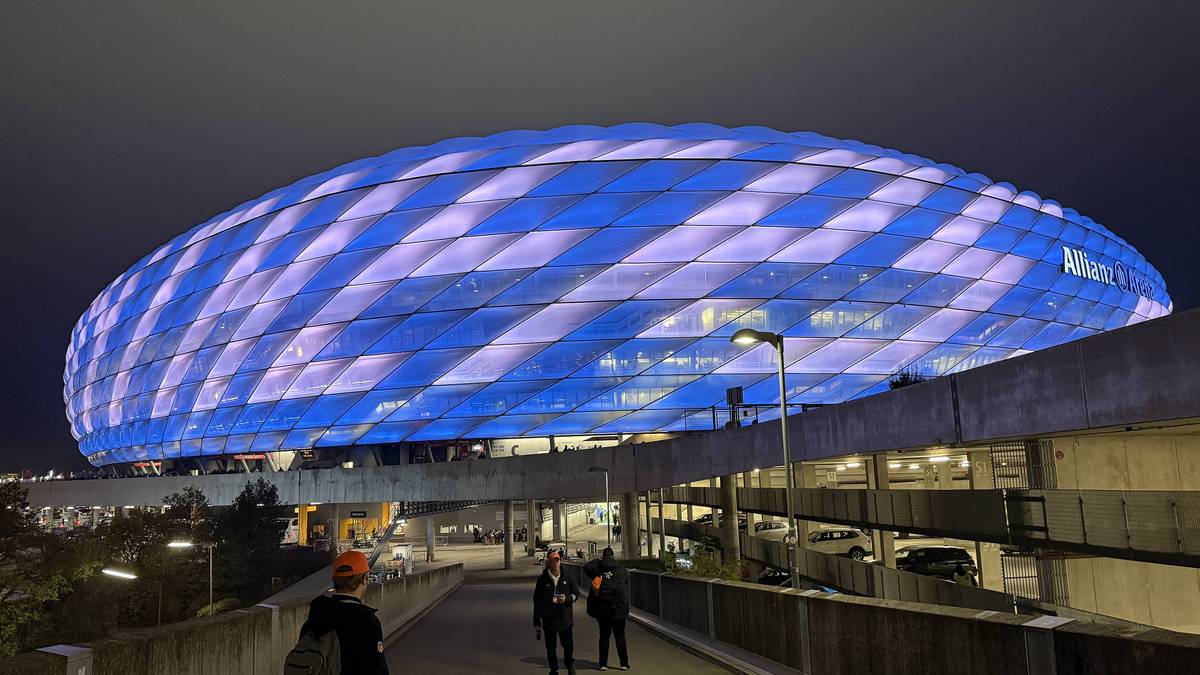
x,y
649,525
808,479
630,546
302,525
981,474
557,513
566,530
945,475
430,540
748,482
980,477
508,531
883,541
533,526
662,526
730,542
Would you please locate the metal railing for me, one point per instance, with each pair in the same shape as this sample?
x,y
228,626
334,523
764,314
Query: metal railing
x,y
852,576
1152,526
717,416
1160,524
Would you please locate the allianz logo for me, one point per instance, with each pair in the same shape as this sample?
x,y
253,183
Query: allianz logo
x,y
1078,263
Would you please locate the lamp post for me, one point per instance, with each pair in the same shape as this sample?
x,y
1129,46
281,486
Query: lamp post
x,y
607,502
188,544
749,336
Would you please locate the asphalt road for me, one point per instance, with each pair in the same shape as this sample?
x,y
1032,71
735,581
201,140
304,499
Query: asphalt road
x,y
486,626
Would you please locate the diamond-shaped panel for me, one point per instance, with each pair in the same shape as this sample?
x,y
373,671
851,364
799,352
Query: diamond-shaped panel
x,y
577,280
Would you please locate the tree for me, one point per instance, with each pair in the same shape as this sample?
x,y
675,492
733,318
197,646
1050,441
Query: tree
x,y
247,535
906,377
189,509
35,568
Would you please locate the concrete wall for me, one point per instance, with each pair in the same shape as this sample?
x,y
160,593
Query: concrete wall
x,y
253,641
834,634
1159,595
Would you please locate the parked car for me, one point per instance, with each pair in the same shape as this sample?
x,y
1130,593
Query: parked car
x,y
846,541
774,577
707,519
772,530
933,560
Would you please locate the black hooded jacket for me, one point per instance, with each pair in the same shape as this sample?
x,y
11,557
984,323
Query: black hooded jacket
x,y
358,630
612,602
547,614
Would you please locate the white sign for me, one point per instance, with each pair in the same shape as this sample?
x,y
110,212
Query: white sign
x,y
1078,263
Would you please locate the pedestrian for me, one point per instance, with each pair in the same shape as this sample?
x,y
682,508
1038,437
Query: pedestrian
x,y
553,598
340,626
965,576
608,603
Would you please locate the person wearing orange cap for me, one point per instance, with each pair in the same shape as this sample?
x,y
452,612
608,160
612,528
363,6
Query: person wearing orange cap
x,y
359,633
553,596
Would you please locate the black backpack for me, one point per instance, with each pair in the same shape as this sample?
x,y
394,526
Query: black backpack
x,y
315,655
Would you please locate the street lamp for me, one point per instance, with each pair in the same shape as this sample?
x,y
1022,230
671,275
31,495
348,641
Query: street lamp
x,y
746,337
188,544
607,502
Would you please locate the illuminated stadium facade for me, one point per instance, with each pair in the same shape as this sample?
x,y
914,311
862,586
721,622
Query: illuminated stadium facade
x,y
582,280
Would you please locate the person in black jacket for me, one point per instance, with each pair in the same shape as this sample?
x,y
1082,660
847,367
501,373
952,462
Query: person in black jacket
x,y
608,603
553,596
359,632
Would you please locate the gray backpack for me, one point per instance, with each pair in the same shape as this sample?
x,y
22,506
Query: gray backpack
x,y
315,655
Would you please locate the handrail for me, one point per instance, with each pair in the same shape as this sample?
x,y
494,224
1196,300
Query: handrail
x,y
1152,526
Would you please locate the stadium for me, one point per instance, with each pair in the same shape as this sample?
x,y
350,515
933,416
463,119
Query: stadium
x,y
582,281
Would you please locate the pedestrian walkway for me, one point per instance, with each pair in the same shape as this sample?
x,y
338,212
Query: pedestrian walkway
x,y
486,626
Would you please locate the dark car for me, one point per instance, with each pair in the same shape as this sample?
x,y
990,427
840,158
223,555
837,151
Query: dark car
x,y
933,561
707,519
774,577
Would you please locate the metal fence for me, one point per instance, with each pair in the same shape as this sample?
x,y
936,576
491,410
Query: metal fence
x,y
852,576
1109,522
1024,464
1153,526
969,514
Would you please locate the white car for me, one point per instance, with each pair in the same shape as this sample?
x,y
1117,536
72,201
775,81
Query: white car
x,y
846,541
771,530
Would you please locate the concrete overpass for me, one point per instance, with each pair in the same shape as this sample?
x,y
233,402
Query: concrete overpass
x,y
1135,380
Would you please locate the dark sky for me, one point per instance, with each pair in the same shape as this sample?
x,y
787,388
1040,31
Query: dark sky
x,y
123,124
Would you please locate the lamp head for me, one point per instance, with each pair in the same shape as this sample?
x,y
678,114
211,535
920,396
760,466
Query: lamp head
x,y
749,336
597,469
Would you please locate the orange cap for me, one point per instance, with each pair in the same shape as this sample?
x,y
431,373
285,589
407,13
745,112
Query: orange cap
x,y
350,563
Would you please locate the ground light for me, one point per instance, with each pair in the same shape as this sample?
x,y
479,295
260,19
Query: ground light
x,y
746,337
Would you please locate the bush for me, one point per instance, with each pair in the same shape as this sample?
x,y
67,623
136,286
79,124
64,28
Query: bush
x,y
706,564
222,605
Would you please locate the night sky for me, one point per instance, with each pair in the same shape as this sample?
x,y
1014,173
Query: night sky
x,y
124,124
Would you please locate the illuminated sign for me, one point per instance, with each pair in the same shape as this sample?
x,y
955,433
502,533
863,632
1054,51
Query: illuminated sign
x,y
1078,263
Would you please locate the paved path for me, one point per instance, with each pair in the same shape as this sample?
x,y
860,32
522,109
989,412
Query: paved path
x,y
486,626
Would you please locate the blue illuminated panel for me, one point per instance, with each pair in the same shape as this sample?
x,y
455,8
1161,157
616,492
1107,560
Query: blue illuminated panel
x,y
578,280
